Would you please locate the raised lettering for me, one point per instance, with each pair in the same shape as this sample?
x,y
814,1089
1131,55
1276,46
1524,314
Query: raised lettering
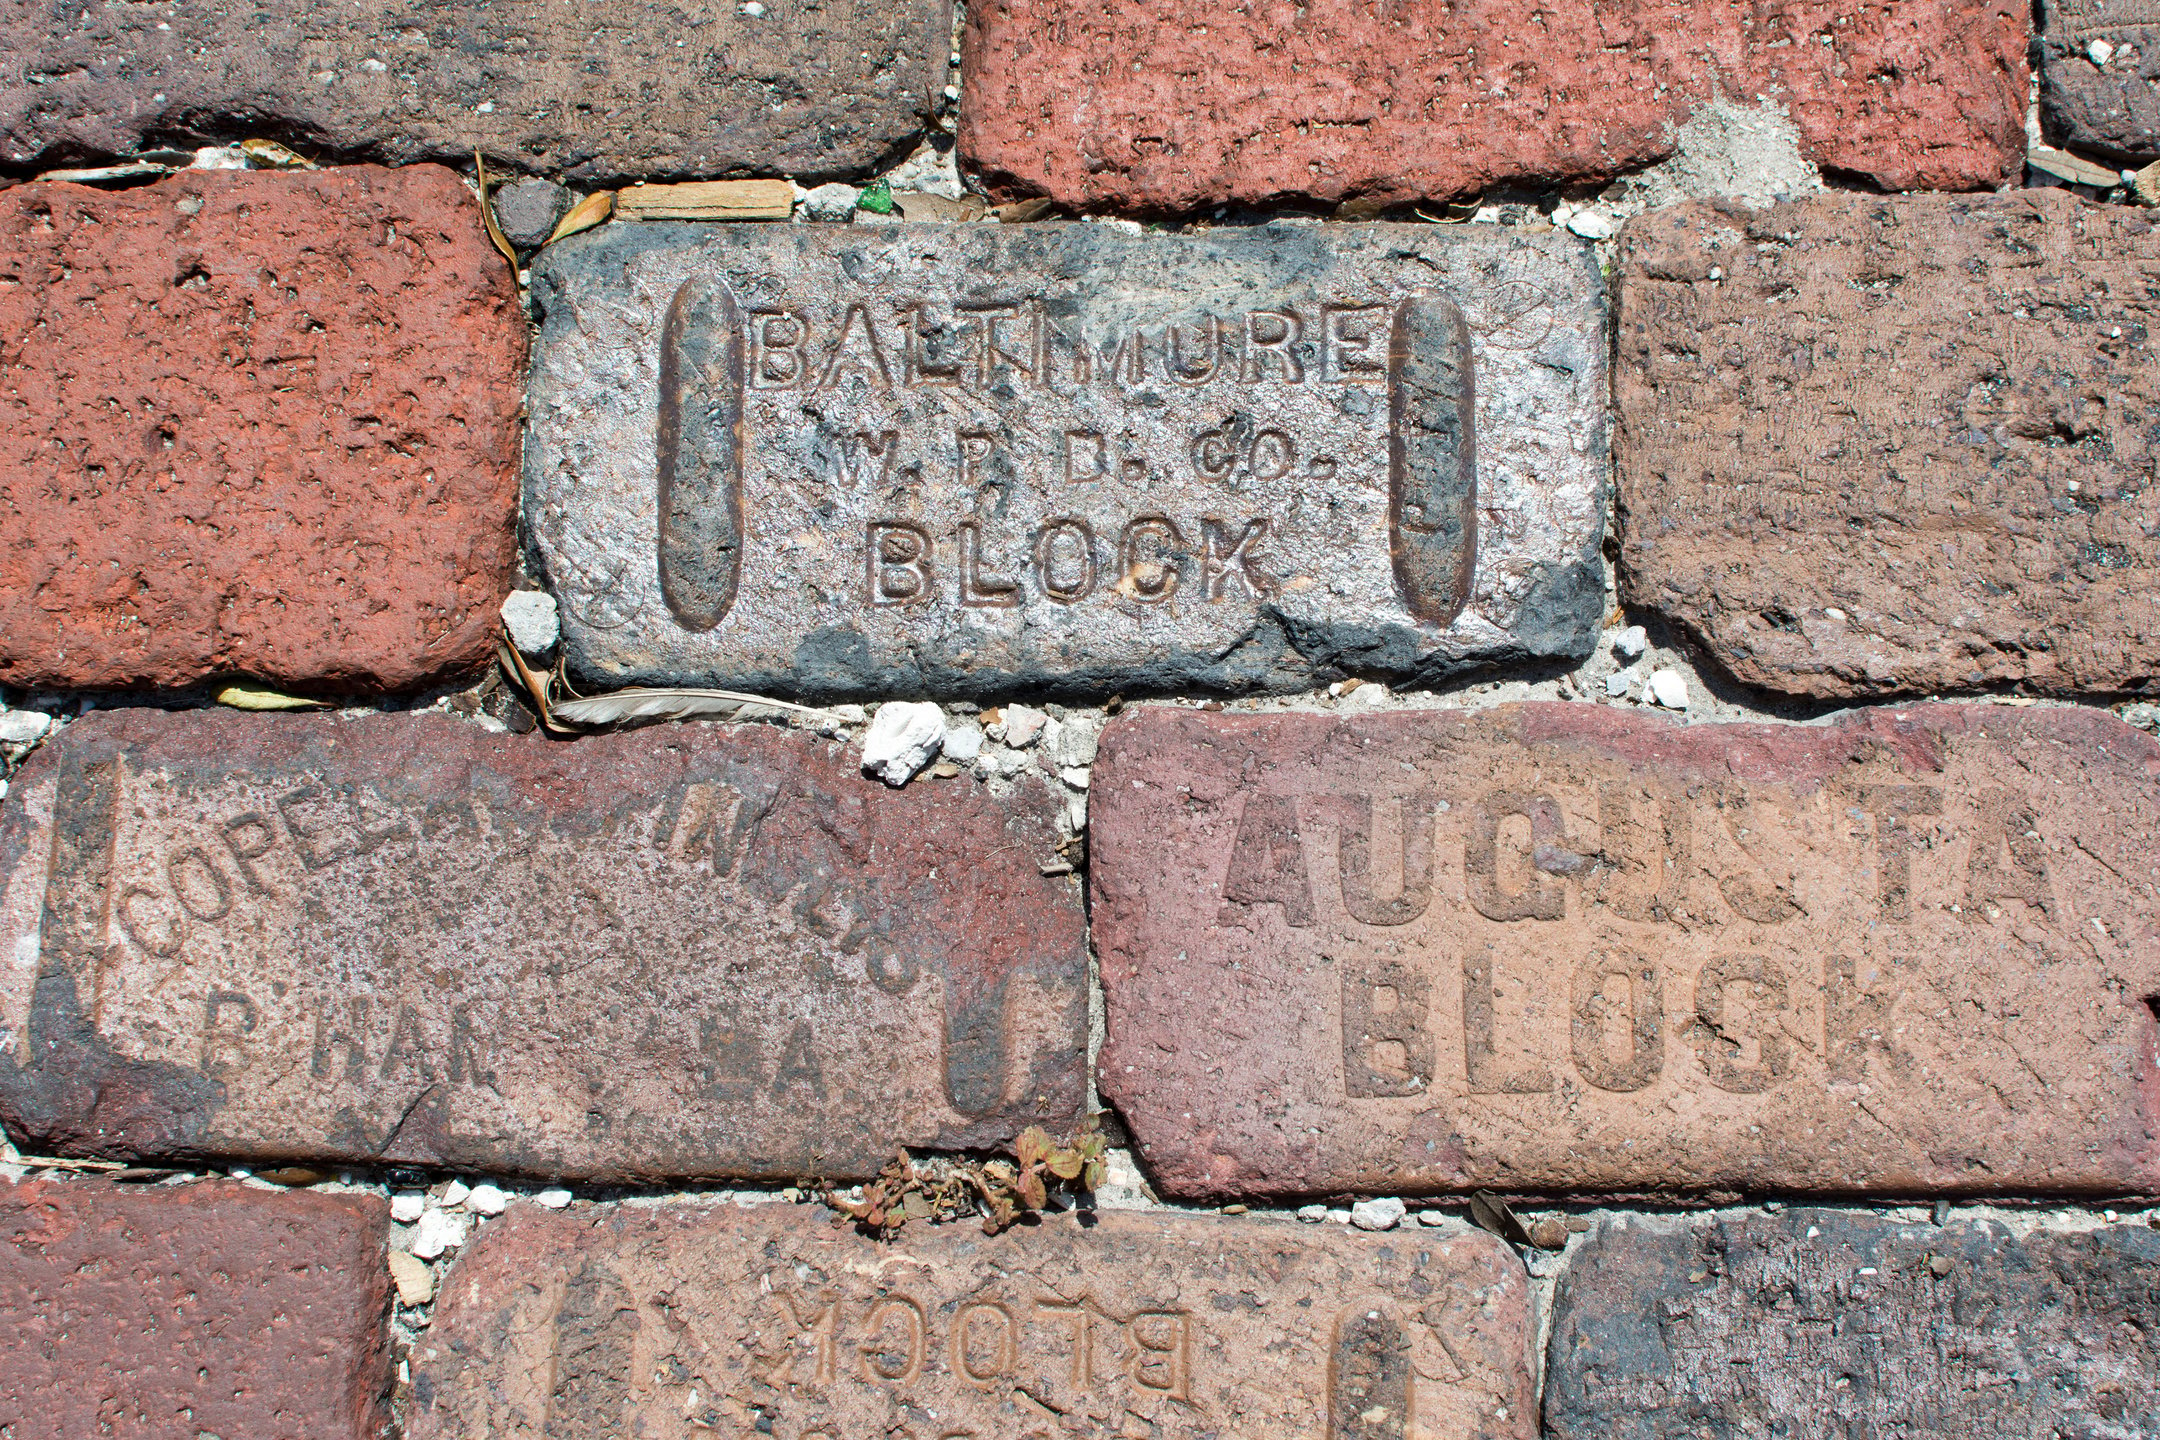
x,y
1220,559
1720,1043
1893,807
146,932
1641,1027
1542,898
881,1359
1004,1344
229,1016
1161,1358
1085,457
1346,345
776,349
249,837
856,352
1481,1054
1354,859
1272,335
1149,573
2008,860
1387,1041
899,563
977,587
1070,535
1075,1313
1267,863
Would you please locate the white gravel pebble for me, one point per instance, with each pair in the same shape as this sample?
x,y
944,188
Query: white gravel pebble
x,y
1630,643
1340,1217
555,1198
454,1193
963,742
1022,726
1669,689
487,1200
407,1207
1432,1217
529,616
1312,1214
1592,224
903,738
1382,1214
23,727
829,203
1619,682
438,1230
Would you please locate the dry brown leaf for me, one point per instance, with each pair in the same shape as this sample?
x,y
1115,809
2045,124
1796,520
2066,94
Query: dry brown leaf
x,y
708,200
258,697
2075,168
1019,212
487,212
273,156
919,205
588,212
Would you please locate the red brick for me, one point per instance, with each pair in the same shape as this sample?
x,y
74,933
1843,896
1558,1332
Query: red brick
x,y
259,423
209,1309
1909,951
771,1321
1871,445
683,951
1175,104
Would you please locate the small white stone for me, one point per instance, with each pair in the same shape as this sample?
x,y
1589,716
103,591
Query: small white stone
x,y
1834,613
531,619
487,1200
754,10
1312,1214
415,1282
219,157
1592,224
454,1193
1076,802
554,1197
23,727
904,737
2100,51
1075,776
1073,741
1023,725
1382,1214
2144,716
373,66
1619,683
1340,1217
963,742
1669,689
407,1207
1630,643
831,203
1432,1217
438,1230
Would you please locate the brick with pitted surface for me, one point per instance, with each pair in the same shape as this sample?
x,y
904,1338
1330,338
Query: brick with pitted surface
x,y
774,1321
1565,948
399,938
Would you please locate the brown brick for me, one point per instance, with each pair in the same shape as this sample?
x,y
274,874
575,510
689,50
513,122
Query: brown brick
x,y
209,1309
604,90
1562,947
1876,445
1828,1324
2100,75
705,950
1176,106
773,1321
258,423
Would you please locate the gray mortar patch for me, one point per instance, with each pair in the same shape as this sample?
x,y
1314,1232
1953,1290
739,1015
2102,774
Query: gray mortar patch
x,y
966,460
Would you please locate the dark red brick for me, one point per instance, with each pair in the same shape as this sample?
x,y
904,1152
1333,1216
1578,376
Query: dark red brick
x,y
682,951
696,1319
1567,948
192,1311
1179,104
254,423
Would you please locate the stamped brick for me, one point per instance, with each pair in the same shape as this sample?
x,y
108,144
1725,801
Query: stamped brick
x,y
1873,445
1559,948
601,91
683,952
1180,105
773,1321
254,423
2100,75
207,1309
942,458
1824,1324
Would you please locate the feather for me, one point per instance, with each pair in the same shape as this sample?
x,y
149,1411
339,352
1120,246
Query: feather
x,y
642,704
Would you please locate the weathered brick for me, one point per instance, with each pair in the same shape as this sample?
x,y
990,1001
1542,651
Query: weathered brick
x,y
1177,105
259,423
2100,75
603,91
1564,948
943,458
694,951
1876,445
773,1321
208,1309
1814,1324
